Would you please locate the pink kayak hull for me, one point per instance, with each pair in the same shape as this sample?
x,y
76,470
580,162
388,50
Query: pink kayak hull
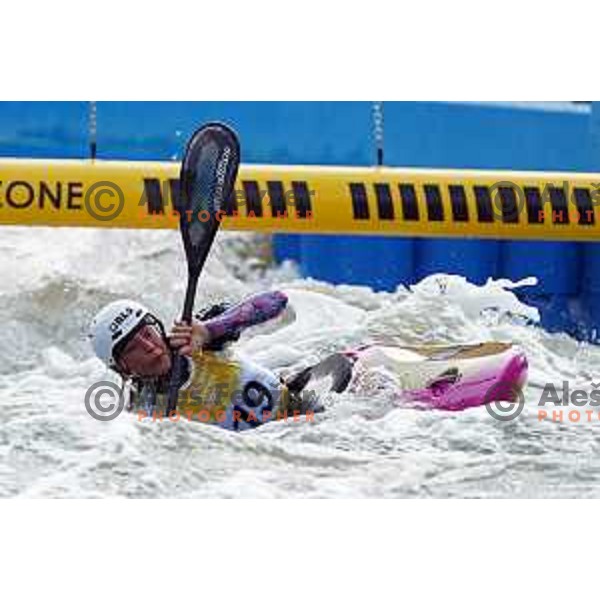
x,y
456,382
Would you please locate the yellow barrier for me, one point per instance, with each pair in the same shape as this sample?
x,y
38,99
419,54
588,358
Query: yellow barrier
x,y
305,199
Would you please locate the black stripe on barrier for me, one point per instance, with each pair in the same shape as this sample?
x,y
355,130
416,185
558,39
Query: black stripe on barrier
x,y
458,200
385,206
410,206
277,198
583,201
175,190
435,208
230,205
534,205
510,205
560,209
485,210
302,197
360,205
154,197
253,200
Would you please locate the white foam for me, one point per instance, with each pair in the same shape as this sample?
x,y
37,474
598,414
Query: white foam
x,y
363,445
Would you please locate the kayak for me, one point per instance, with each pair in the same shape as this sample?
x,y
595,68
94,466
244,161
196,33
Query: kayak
x,y
450,378
441,377
431,377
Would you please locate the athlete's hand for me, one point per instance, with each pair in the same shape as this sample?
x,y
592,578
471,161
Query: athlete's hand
x,y
188,338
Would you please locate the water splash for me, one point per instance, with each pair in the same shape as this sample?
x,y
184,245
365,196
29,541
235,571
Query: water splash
x,y
363,445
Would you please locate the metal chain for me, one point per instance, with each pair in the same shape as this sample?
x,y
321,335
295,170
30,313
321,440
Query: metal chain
x,y
93,129
378,130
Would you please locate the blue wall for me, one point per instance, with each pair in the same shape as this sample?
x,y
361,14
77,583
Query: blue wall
x,y
433,134
421,134
281,132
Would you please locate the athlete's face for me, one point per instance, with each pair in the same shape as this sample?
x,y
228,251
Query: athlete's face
x,y
146,354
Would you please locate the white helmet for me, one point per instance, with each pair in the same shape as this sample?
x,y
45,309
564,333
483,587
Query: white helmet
x,y
113,325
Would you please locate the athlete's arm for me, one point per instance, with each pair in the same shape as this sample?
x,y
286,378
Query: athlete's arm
x,y
228,325
252,311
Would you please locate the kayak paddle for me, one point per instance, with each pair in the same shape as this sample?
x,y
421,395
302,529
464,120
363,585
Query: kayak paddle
x,y
207,180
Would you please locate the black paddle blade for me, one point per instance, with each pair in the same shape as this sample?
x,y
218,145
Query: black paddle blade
x,y
208,174
207,181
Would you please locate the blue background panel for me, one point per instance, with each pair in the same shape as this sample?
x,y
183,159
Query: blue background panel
x,y
420,134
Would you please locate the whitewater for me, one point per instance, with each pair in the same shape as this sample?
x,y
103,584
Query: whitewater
x,y
364,444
